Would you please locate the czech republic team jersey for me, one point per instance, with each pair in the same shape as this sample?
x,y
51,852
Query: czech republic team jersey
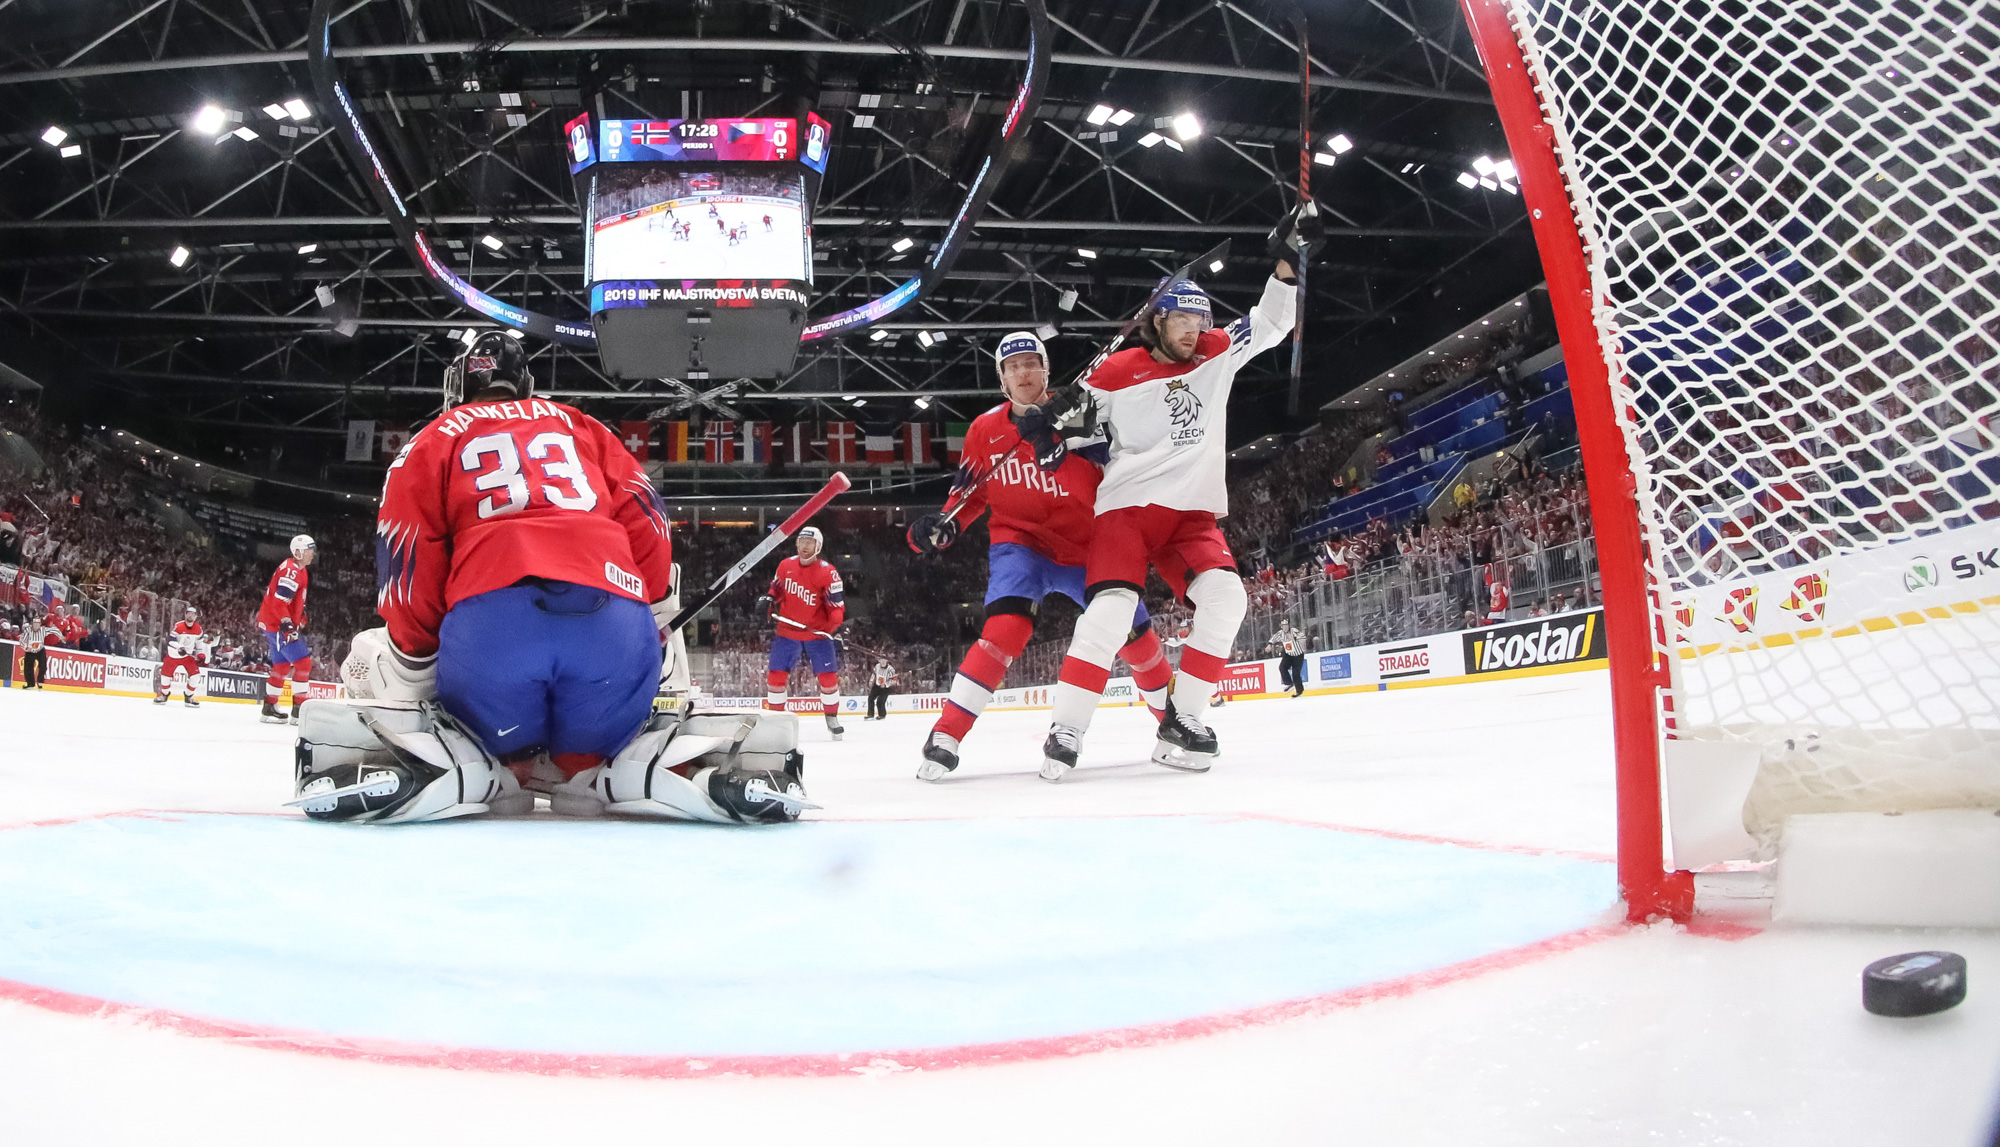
x,y
1161,413
493,492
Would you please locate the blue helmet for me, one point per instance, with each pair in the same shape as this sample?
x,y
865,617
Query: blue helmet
x,y
1185,295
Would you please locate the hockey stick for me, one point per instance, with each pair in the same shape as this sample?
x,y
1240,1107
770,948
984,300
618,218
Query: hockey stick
x,y
834,486
1305,197
843,641
963,488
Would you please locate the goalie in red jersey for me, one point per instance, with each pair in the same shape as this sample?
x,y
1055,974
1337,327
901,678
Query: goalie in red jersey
x,y
524,570
1041,530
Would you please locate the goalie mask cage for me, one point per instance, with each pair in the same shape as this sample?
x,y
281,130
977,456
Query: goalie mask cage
x,y
1771,232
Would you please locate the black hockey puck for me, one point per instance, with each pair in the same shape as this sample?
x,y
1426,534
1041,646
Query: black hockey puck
x,y
1913,984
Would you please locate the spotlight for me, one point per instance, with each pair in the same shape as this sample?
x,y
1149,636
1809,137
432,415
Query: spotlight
x,y
902,245
1504,170
210,119
469,337
923,404
180,256
515,334
324,294
1340,144
297,109
72,151
1086,252
491,243
1323,159
1215,267
877,335
308,248
1120,118
1483,165
1098,115
924,339
276,111
1186,126
54,136
1467,179
1150,138
244,134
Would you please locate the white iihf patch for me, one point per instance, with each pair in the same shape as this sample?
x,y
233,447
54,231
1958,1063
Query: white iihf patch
x,y
629,582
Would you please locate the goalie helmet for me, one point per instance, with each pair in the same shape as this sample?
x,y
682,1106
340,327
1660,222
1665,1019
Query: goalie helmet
x,y
495,359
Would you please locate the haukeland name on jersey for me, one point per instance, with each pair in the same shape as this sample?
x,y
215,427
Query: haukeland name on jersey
x,y
1541,641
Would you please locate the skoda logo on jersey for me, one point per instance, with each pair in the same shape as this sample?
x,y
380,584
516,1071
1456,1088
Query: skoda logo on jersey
x,y
1184,411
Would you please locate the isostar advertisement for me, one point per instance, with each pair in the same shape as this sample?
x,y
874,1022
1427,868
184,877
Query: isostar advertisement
x,y
1536,642
1952,571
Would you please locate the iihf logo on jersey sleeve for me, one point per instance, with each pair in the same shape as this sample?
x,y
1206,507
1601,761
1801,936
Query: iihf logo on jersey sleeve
x,y
1184,411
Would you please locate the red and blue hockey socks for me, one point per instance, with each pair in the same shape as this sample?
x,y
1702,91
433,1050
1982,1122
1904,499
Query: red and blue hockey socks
x,y
829,693
1001,640
775,683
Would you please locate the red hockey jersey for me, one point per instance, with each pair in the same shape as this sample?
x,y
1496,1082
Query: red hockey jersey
x,y
493,492
1049,513
284,598
807,596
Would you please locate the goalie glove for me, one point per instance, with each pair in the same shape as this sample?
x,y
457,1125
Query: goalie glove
x,y
376,669
1297,235
931,533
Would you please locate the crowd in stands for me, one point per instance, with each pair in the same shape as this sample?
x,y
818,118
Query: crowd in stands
x,y
101,525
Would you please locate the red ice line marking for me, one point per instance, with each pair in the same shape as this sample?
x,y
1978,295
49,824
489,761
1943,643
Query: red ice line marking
x,y
400,1054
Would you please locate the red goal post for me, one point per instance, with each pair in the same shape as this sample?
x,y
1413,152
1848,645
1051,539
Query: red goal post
x,y
1772,240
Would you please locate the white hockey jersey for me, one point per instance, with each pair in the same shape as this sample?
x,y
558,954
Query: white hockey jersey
x,y
1168,422
186,640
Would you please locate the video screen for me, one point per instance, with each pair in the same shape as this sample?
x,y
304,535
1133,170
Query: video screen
x,y
653,223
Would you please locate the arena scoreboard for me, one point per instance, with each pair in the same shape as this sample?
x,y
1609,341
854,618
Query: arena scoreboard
x,y
698,241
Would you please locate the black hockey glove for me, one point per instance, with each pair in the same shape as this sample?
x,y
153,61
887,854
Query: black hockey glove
x,y
931,533
1297,235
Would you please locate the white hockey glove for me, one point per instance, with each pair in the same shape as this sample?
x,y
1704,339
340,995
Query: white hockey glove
x,y
376,668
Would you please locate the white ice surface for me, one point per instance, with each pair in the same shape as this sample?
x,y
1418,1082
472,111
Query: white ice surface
x,y
1651,1036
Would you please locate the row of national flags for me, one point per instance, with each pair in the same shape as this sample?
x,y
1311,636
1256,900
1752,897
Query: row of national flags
x,y
726,441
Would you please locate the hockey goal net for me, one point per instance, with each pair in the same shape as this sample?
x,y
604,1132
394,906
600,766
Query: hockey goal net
x,y
1772,232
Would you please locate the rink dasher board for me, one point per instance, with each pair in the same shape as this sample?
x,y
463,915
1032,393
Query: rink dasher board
x,y
1532,647
108,675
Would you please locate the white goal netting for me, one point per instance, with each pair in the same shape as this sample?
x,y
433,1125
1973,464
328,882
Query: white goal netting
x,y
1791,213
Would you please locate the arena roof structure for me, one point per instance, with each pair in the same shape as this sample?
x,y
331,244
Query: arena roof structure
x,y
183,239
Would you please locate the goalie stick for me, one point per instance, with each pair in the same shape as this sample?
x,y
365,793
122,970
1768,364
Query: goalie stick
x,y
1305,196
834,486
969,480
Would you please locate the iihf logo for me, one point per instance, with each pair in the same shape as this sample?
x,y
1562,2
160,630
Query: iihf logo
x,y
1183,410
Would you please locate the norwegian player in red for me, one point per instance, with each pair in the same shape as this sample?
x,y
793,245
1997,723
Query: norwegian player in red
x,y
186,652
1163,410
282,617
524,572
1040,527
808,603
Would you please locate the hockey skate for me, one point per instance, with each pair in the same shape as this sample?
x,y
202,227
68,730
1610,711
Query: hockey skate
x,y
1184,743
159,699
190,702
1059,752
270,714
833,725
296,703
940,757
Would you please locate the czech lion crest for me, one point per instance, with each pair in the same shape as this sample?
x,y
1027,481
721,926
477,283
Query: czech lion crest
x,y
1183,408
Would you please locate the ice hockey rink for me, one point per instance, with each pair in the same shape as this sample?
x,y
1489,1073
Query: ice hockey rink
x,y
1383,918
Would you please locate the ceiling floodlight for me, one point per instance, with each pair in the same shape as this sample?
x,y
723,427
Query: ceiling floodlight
x,y
1483,165
297,109
180,256
1086,252
1467,179
1340,144
1504,170
860,402
324,294
491,243
1120,118
308,248
1215,267
1098,115
1186,126
1150,138
469,337
1323,159
924,339
244,134
210,119
877,335
923,404
1174,143
71,152
902,245
54,136
515,334
277,111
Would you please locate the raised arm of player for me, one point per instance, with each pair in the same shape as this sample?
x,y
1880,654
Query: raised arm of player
x,y
412,557
1268,323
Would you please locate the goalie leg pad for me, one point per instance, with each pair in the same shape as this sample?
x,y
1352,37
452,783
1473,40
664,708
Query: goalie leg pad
x,y
745,768
390,763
